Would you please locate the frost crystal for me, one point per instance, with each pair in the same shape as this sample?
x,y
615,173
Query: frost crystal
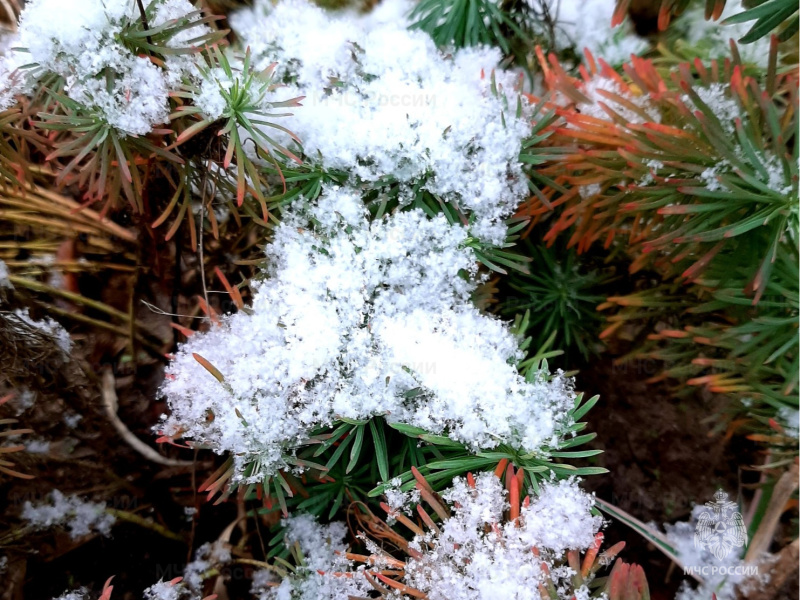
x,y
399,500
478,557
358,319
79,516
384,101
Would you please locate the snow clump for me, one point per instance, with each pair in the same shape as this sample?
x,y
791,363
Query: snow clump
x,y
360,319
385,104
80,517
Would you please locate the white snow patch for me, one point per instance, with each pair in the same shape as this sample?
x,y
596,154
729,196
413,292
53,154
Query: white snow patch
x,y
80,41
358,319
587,24
323,547
381,100
81,517
478,556
48,327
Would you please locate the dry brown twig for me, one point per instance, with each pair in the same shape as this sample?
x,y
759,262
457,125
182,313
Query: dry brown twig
x,y
109,395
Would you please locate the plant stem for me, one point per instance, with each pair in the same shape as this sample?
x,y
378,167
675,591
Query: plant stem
x,y
124,515
143,16
781,494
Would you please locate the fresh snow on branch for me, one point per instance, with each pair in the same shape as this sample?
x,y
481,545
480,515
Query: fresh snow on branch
x,y
477,556
356,319
80,41
323,548
587,25
382,101
79,516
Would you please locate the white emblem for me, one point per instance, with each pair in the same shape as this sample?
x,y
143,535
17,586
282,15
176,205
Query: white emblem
x,y
722,529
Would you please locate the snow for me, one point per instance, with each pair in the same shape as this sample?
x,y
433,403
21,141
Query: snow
x,y
681,535
48,327
181,66
13,81
79,516
478,556
357,319
560,517
322,547
592,88
587,24
22,400
71,419
711,39
79,594
721,101
137,102
399,500
37,446
80,41
210,99
210,555
5,283
717,96
381,100
724,577
709,176
163,590
653,167
777,179
263,579
789,418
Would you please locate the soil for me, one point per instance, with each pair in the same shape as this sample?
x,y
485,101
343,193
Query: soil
x,y
664,458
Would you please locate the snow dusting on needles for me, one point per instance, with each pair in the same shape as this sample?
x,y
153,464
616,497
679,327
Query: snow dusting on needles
x,y
478,556
79,516
595,90
323,548
355,320
712,38
47,327
475,554
381,100
587,25
80,41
